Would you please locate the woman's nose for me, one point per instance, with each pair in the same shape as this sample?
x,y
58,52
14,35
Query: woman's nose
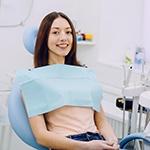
x,y
63,36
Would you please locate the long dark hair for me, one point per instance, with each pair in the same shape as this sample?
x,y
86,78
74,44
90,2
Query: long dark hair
x,y
41,54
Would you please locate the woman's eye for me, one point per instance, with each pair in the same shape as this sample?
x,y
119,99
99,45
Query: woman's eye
x,y
55,32
69,32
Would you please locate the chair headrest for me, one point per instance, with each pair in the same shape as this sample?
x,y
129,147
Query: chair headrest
x,y
29,38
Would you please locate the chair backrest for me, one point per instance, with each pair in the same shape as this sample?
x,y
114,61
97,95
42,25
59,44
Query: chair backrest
x,y
16,111
29,38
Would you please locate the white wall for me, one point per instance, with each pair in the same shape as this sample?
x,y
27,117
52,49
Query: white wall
x,y
146,29
120,26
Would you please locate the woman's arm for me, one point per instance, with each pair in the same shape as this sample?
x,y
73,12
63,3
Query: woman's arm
x,y
104,127
50,139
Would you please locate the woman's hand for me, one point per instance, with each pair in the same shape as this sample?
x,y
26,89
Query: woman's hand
x,y
102,145
106,130
114,143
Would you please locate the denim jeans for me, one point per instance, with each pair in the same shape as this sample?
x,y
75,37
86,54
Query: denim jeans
x,y
88,136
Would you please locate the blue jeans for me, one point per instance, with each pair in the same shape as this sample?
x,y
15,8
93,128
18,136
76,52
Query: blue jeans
x,y
88,136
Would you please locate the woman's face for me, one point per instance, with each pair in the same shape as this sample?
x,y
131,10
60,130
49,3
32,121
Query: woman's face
x,y
59,41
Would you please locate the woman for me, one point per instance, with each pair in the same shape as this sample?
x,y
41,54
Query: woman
x,y
64,126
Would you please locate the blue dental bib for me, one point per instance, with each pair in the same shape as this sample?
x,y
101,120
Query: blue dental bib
x,y
50,87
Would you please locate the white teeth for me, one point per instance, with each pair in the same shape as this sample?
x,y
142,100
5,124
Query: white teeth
x,y
62,45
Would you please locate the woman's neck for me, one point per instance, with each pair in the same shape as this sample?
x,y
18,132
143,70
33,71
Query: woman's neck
x,y
56,61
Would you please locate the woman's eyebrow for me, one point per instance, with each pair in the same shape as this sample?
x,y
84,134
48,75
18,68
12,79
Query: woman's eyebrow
x,y
55,28
59,27
68,28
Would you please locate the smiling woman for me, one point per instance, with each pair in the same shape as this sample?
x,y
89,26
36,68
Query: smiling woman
x,y
63,98
14,12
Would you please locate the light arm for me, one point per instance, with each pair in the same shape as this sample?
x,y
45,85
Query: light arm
x,y
103,126
52,140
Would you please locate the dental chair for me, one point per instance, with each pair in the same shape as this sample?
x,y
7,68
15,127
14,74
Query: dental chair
x,y
16,110
17,113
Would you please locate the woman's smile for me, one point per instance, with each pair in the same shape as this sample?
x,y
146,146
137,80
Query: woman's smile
x,y
62,45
